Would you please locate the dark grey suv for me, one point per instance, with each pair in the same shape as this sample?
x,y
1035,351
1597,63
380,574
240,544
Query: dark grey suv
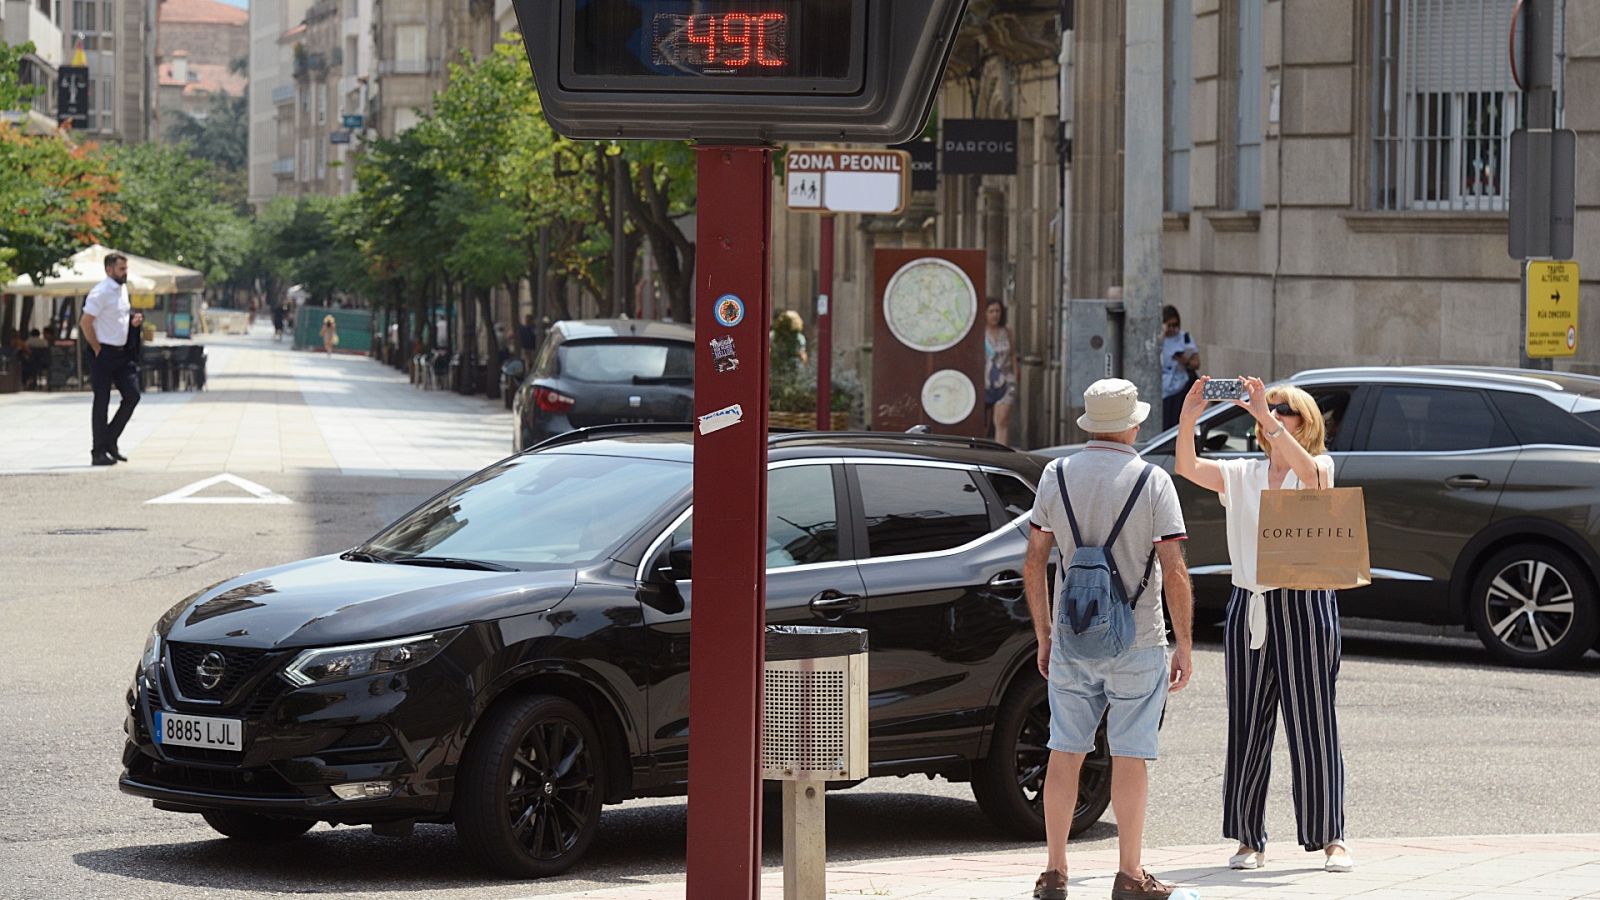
x,y
1483,500
605,372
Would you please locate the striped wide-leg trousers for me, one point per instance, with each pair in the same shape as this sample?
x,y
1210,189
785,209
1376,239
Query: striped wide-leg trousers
x,y
1297,669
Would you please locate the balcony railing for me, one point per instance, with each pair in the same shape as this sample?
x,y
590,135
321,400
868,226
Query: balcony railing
x,y
283,168
283,93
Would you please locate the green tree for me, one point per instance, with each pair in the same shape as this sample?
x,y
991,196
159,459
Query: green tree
x,y
56,198
171,212
220,135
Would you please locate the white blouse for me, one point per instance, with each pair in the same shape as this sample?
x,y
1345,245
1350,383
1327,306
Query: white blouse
x,y
1243,480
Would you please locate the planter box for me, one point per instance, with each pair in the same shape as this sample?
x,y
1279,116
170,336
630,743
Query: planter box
x,y
807,420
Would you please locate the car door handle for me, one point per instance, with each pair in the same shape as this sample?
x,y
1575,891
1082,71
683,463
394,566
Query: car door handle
x,y
1467,481
833,603
1007,581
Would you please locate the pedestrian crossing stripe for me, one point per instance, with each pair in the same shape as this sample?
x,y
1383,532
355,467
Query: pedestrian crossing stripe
x,y
258,493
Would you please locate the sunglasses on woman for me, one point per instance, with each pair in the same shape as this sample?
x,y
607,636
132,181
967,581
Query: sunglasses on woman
x,y
1283,409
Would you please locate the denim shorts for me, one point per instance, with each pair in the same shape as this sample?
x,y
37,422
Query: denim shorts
x,y
1129,690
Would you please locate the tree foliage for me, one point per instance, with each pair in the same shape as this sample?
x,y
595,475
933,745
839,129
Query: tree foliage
x,y
55,199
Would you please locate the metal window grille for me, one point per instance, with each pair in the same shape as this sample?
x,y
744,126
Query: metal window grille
x,y
1445,104
1179,142
1247,180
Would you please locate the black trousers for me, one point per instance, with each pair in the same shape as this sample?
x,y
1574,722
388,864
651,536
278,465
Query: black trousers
x,y
112,367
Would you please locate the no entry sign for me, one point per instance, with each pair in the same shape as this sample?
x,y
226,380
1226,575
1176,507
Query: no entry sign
x,y
847,181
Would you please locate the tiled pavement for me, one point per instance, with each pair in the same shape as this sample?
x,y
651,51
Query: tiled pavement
x,y
1508,867
267,408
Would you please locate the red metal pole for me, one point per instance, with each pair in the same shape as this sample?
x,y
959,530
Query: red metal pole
x,y
726,649
825,327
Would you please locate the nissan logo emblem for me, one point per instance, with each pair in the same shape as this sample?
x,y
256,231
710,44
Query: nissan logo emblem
x,y
209,671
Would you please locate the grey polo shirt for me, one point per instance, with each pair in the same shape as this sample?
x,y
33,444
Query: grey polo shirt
x,y
1099,480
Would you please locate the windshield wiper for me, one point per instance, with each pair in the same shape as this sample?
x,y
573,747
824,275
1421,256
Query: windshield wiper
x,y
451,562
364,556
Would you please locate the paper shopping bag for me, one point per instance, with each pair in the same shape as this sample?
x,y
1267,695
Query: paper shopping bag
x,y
1313,539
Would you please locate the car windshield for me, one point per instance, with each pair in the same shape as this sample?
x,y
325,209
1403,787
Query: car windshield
x,y
627,362
540,511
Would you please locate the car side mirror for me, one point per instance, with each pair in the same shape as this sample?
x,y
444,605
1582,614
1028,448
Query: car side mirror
x,y
678,560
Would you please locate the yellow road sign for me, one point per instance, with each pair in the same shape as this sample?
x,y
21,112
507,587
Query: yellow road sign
x,y
1552,287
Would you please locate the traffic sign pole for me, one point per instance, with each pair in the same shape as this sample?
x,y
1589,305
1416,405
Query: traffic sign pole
x,y
825,326
726,651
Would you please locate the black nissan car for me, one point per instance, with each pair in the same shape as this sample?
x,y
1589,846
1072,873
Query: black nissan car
x,y
513,653
605,372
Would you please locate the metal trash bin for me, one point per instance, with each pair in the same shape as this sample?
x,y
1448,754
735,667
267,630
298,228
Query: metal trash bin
x,y
814,730
815,702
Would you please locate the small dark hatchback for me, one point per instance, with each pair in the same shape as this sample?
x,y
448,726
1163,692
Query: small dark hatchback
x,y
605,372
513,654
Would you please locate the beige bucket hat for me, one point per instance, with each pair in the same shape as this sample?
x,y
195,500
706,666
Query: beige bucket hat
x,y
1112,405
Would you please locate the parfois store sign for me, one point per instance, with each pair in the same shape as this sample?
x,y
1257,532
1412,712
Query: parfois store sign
x,y
979,147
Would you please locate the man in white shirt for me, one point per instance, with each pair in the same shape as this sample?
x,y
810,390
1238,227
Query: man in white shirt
x,y
106,319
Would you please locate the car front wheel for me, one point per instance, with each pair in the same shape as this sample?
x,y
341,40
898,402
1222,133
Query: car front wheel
x,y
529,797
1533,605
1009,782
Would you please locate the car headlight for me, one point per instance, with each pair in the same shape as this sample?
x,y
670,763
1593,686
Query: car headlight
x,y
353,660
152,650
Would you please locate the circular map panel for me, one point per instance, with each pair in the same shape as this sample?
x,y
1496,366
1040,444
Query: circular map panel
x,y
948,397
930,304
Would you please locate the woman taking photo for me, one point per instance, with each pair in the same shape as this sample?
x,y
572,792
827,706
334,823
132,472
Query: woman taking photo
x,y
1280,647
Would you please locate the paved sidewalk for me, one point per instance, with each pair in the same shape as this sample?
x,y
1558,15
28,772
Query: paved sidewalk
x,y
1500,867
267,408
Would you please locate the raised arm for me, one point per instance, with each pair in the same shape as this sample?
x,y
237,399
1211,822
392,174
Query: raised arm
x,y
1203,472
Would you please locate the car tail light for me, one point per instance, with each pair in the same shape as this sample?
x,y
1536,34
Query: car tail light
x,y
552,401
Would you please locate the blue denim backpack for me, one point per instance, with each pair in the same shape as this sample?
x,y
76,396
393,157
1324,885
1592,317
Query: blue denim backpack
x,y
1094,615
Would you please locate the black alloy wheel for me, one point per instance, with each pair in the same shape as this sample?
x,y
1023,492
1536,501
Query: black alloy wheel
x,y
1533,605
255,828
529,800
1009,782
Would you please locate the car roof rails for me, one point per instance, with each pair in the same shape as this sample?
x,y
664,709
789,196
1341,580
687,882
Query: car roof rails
x,y
955,440
624,429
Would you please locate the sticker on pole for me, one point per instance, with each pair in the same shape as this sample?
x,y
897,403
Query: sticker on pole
x,y
724,354
712,422
729,310
1552,300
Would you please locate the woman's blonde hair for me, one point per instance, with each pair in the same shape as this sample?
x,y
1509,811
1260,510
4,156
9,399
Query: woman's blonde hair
x,y
328,320
1313,431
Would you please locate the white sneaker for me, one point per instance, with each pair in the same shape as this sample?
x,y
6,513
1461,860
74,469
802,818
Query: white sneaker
x,y
1250,859
1339,859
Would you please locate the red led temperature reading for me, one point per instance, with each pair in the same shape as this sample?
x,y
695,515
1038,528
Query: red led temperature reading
x,y
730,41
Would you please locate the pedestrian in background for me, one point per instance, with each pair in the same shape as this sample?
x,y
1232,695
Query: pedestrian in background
x,y
1180,365
789,339
277,323
330,334
107,317
1001,373
1108,497
527,341
1280,647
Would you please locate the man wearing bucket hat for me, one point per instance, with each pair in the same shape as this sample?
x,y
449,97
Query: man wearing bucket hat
x,y
1108,497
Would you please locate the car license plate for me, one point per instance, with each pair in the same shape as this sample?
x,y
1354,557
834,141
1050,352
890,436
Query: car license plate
x,y
208,732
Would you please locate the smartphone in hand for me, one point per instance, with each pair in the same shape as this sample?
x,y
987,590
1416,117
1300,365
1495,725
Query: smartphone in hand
x,y
1223,389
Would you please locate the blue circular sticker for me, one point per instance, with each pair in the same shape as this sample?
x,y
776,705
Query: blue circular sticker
x,y
729,310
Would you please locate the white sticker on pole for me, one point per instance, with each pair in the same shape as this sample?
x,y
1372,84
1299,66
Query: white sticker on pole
x,y
713,422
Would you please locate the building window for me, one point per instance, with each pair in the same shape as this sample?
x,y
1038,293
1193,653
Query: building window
x,y
1444,105
1179,76
1247,105
410,47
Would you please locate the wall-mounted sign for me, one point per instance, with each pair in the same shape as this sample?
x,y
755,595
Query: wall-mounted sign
x,y
847,181
339,137
72,96
927,356
355,121
924,164
979,146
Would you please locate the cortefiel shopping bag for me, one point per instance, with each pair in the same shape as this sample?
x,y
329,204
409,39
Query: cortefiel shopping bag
x,y
1313,539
